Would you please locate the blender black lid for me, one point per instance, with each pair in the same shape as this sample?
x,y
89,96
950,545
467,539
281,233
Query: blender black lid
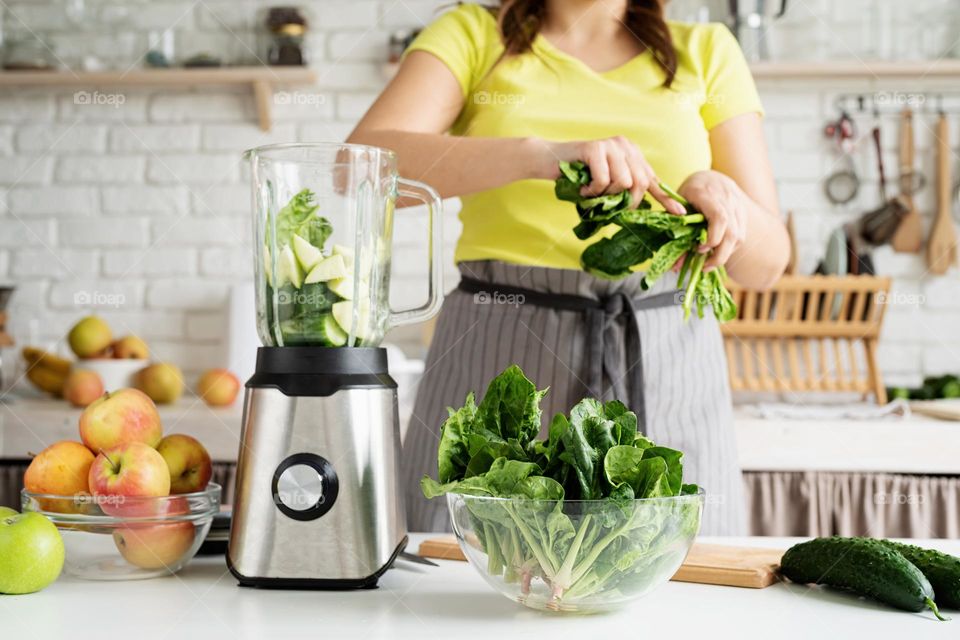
x,y
340,361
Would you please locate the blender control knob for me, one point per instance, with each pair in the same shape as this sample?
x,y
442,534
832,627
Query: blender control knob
x,y
304,486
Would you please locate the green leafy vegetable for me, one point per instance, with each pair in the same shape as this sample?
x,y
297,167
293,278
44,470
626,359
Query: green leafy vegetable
x,y
657,236
575,519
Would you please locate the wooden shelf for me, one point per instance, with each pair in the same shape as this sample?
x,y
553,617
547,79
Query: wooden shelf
x,y
261,80
867,70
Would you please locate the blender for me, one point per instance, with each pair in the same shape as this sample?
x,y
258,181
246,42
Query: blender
x,y
318,503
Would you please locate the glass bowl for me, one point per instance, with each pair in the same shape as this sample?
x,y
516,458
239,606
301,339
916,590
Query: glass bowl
x,y
128,538
581,556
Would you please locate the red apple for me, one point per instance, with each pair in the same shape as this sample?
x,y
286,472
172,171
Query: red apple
x,y
61,470
218,387
126,474
118,418
130,347
155,546
162,381
188,461
82,387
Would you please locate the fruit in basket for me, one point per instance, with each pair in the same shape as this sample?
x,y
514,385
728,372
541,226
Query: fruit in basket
x,y
61,470
218,387
82,387
163,382
130,348
188,461
31,552
90,338
118,418
132,471
155,546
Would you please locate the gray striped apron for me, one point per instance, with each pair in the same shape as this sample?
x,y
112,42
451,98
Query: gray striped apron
x,y
676,381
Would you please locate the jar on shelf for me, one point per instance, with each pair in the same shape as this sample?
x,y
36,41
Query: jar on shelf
x,y
287,28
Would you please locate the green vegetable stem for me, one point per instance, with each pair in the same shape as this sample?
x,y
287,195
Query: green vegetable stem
x,y
645,235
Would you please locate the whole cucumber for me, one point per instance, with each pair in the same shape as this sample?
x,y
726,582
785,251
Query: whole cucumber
x,y
941,569
862,565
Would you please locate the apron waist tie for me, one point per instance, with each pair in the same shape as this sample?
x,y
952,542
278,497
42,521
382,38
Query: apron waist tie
x,y
600,313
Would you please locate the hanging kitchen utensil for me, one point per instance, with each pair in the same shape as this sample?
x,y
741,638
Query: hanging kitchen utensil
x,y
908,237
843,184
942,243
878,226
792,235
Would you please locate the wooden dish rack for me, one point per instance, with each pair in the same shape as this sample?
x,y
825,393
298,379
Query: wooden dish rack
x,y
808,334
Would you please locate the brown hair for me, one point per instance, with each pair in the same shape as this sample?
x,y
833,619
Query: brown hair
x,y
520,20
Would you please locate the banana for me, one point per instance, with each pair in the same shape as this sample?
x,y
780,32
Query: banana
x,y
46,379
37,357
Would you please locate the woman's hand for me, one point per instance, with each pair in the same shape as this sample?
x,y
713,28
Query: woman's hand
x,y
616,165
724,205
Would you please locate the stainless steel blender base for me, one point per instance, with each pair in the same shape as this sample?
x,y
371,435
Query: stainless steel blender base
x,y
317,501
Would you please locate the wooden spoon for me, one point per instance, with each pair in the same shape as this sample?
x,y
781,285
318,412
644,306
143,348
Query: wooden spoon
x,y
909,235
942,243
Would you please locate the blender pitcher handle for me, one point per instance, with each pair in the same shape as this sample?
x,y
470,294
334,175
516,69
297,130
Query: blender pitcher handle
x,y
427,195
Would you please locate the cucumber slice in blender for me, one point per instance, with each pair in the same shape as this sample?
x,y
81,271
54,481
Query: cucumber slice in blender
x,y
288,268
331,333
331,268
307,255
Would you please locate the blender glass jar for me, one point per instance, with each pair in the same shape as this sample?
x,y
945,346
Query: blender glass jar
x,y
323,229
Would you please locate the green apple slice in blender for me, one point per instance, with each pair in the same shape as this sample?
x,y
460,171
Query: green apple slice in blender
x,y
307,255
343,313
288,268
330,268
343,287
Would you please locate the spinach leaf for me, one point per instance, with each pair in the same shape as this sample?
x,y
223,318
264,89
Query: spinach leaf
x,y
511,406
644,234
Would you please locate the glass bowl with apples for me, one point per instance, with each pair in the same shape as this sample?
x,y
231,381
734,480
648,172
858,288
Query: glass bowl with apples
x,y
116,537
129,501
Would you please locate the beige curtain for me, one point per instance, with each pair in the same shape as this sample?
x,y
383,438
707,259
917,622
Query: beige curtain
x,y
11,481
852,504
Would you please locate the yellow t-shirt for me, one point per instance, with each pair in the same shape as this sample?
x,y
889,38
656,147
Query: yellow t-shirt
x,y
552,95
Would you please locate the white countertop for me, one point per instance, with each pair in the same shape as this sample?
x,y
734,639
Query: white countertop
x,y
910,445
446,602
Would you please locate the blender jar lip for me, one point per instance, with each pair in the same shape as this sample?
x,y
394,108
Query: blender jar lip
x,y
267,151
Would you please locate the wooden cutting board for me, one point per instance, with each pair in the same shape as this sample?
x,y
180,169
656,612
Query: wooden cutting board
x,y
940,409
750,567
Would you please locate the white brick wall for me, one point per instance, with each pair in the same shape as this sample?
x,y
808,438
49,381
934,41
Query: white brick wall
x,y
144,206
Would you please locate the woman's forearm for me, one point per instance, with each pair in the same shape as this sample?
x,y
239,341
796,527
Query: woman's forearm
x,y
457,166
762,258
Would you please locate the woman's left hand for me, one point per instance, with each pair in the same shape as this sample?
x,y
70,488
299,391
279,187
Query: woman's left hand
x,y
724,205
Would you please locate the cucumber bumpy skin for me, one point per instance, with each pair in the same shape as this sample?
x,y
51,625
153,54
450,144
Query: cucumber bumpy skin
x,y
941,569
862,565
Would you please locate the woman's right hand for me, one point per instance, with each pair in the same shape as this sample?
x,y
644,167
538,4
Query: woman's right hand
x,y
616,164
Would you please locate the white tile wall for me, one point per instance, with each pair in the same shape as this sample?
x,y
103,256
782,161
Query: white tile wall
x,y
140,209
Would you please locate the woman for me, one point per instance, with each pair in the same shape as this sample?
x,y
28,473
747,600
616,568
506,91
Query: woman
x,y
518,88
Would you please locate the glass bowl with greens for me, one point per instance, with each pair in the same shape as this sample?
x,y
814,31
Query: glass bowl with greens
x,y
591,516
581,556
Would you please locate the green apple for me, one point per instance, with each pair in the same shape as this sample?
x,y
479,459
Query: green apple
x,y
307,255
31,552
343,287
330,268
343,313
288,268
